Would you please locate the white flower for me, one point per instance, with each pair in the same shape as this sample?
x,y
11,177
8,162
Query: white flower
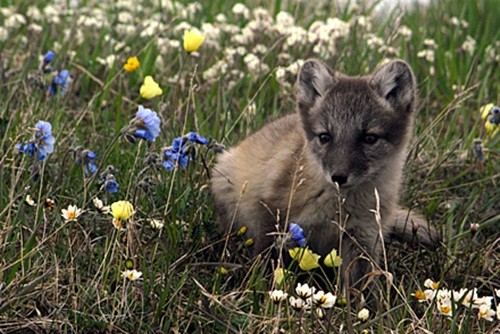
x,y
454,21
72,213
297,303
304,291
444,307
469,45
324,300
4,34
497,292
29,200
498,312
100,206
14,21
156,223
430,43
405,32
277,295
131,275
363,314
320,313
108,61
241,9
485,312
280,74
430,284
479,301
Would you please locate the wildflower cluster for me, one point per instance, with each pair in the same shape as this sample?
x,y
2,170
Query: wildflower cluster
x,y
307,299
182,150
448,302
306,258
42,143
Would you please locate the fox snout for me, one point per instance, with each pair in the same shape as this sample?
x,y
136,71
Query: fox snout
x,y
340,179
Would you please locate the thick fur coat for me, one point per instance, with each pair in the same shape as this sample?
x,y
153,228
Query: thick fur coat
x,y
321,167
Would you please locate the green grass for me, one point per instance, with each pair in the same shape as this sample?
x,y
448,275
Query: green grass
x,y
58,276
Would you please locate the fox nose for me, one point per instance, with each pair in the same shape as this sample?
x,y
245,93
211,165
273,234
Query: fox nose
x,y
339,178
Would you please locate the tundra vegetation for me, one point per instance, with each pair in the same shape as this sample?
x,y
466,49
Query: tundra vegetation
x,y
113,112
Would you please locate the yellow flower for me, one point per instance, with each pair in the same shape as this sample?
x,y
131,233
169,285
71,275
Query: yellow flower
x,y
132,64
491,129
332,260
122,210
490,114
306,258
419,295
193,39
280,274
249,242
150,88
222,270
485,110
241,231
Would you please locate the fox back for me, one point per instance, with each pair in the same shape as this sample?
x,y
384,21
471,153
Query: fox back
x,y
334,167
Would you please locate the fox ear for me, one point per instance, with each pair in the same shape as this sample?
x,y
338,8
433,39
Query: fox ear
x,y
314,80
395,83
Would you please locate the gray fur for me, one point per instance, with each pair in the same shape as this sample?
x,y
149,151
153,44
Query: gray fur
x,y
285,162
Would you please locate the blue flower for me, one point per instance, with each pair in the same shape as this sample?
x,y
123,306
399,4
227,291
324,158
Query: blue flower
x,y
495,116
111,185
28,148
148,124
297,234
169,165
171,157
182,150
44,140
178,144
49,56
196,138
62,80
89,166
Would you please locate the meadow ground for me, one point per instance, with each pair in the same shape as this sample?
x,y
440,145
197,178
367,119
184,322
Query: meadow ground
x,y
164,266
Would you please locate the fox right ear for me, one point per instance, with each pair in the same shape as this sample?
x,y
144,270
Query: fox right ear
x,y
314,80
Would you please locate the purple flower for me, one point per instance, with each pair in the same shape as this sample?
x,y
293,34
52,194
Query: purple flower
x,y
147,124
61,82
297,234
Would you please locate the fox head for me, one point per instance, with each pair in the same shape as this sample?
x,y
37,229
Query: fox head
x,y
356,127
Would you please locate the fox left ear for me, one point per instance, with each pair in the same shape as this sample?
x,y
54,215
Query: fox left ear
x,y
395,82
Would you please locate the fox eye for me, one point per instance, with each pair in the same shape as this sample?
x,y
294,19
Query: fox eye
x,y
324,137
370,139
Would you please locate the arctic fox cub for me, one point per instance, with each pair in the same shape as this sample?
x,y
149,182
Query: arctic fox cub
x,y
321,167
